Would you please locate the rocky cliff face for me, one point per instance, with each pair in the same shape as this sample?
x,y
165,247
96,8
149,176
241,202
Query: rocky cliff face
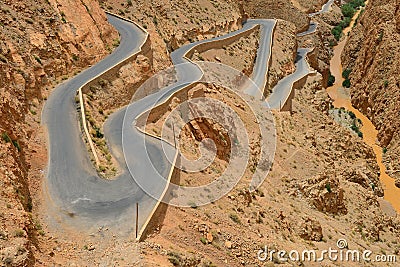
x,y
372,53
281,9
41,43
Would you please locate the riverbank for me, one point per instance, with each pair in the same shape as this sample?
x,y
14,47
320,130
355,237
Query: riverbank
x,y
342,99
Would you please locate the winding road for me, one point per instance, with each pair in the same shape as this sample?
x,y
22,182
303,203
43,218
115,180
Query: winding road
x,y
76,194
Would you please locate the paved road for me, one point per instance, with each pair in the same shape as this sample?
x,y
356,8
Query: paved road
x,y
72,184
311,29
283,88
325,8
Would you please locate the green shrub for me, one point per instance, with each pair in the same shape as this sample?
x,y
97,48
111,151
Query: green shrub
x,y
380,36
5,137
345,22
386,83
346,73
357,3
346,83
19,233
355,128
192,204
328,187
38,60
116,42
16,144
235,218
29,20
63,17
3,58
331,79
99,134
337,32
348,10
175,258
352,115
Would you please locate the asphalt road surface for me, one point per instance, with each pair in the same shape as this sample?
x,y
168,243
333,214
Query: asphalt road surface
x,y
76,195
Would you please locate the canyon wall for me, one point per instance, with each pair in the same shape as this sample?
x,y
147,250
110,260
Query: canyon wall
x,y
372,53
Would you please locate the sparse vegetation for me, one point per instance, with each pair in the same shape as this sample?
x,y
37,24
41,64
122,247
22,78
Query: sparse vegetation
x,y
6,138
380,36
328,187
29,20
348,11
203,240
385,83
19,233
63,17
235,218
116,42
192,204
356,129
3,58
38,60
331,79
346,83
174,258
346,73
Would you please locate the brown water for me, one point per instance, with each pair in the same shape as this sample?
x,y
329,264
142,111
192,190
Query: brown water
x,y
369,131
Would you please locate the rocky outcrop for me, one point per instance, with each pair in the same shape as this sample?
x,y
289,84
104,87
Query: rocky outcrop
x,y
311,230
372,54
279,9
364,177
325,193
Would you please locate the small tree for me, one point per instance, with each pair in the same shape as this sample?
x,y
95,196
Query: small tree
x,y
331,79
346,73
346,83
348,10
